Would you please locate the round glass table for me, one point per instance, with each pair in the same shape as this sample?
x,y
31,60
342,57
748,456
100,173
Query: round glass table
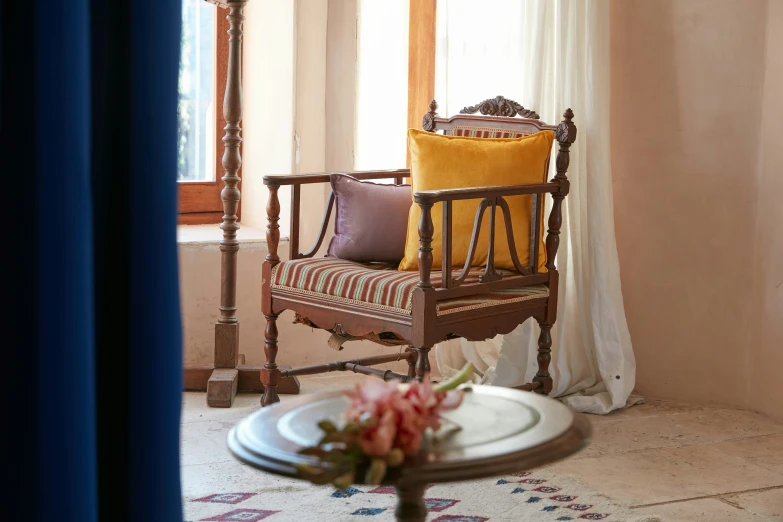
x,y
502,431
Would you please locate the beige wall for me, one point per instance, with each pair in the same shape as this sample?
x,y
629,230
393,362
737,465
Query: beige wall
x,y
310,112
267,123
340,84
695,172
765,359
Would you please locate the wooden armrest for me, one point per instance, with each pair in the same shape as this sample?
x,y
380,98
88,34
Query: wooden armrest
x,y
324,177
434,196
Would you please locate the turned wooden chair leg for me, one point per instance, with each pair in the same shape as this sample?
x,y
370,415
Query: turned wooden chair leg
x,y
422,363
544,357
412,362
270,374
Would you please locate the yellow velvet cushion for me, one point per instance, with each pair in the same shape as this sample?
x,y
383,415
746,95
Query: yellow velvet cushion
x,y
444,162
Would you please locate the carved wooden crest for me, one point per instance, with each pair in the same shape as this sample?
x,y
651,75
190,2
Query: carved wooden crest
x,y
500,106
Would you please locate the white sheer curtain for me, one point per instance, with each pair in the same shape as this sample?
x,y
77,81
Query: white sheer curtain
x,y
549,55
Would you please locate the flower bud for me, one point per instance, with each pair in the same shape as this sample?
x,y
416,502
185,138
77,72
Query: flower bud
x,y
344,481
376,472
395,458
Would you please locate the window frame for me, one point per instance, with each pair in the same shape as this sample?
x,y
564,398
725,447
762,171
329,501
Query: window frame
x,y
421,61
199,201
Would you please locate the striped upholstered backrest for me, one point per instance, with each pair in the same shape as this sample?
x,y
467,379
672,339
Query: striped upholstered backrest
x,y
485,132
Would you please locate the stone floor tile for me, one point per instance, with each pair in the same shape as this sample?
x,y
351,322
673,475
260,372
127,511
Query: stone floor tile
x,y
707,510
767,504
766,452
682,429
663,475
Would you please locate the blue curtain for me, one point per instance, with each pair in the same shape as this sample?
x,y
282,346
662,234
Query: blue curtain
x,y
88,126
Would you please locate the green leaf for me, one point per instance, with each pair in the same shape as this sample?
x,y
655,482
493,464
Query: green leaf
x,y
312,451
327,426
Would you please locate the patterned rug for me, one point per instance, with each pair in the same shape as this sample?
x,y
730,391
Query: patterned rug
x,y
536,496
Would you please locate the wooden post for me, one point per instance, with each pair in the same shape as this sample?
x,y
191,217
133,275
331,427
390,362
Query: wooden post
x,y
222,385
565,136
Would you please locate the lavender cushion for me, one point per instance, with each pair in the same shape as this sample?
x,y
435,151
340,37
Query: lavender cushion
x,y
371,223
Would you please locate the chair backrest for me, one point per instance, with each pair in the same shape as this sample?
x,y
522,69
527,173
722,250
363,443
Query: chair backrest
x,y
497,118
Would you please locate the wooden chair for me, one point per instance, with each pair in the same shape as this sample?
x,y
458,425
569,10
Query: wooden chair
x,y
439,305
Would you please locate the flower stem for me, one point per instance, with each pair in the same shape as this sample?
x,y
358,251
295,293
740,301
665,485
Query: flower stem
x,y
464,375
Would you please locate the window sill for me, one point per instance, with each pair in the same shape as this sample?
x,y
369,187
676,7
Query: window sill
x,y
212,234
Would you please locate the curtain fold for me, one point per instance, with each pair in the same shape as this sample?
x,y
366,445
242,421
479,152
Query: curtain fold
x,y
563,53
88,126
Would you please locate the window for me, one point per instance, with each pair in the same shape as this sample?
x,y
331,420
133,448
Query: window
x,y
476,60
195,109
381,85
202,77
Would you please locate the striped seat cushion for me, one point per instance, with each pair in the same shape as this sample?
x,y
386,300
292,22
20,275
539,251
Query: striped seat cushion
x,y
381,285
480,132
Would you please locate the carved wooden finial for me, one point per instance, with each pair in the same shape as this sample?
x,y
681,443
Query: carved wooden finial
x,y
500,106
566,131
428,122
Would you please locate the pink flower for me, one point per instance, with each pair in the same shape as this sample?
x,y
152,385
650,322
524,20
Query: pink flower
x,y
377,440
395,416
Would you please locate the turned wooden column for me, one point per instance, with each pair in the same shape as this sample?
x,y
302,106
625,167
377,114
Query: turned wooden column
x,y
222,385
426,231
565,136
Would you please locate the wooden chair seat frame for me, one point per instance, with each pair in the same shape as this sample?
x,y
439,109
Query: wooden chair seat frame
x,y
423,327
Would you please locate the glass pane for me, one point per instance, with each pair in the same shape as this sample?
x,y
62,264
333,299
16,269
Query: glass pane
x,y
475,60
382,85
196,110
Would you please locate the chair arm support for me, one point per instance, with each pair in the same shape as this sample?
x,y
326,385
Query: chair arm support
x,y
426,231
324,177
491,197
435,196
272,228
